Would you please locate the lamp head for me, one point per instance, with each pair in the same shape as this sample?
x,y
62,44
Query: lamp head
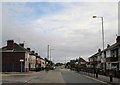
x,y
94,16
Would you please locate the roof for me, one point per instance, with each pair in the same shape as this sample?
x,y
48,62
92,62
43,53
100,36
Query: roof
x,y
94,55
17,48
81,59
38,56
114,46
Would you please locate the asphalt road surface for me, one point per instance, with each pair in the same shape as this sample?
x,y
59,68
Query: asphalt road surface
x,y
53,76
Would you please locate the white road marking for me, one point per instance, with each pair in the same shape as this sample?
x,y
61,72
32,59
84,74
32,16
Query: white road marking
x,y
97,80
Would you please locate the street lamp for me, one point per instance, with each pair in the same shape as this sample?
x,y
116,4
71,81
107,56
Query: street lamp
x,y
102,35
21,60
102,29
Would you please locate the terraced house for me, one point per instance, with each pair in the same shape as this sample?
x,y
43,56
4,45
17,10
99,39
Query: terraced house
x,y
107,60
113,57
13,53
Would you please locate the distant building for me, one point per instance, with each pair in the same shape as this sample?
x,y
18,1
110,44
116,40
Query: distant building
x,y
78,64
81,62
32,63
95,60
42,63
72,64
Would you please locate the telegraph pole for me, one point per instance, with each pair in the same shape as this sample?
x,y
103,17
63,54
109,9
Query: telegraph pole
x,y
48,51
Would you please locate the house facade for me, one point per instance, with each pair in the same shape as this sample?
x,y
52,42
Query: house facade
x,y
93,61
82,63
32,63
108,60
112,58
11,56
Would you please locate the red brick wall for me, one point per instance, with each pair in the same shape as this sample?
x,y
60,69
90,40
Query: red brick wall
x,y
11,61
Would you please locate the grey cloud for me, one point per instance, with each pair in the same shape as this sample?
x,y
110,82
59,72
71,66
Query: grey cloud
x,y
70,35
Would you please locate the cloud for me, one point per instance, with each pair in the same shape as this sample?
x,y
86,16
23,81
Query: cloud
x,y
0,24
71,31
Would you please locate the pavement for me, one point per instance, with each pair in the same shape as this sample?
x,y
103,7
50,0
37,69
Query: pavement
x,y
15,73
115,81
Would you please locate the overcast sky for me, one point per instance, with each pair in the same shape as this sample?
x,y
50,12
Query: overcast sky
x,y
68,27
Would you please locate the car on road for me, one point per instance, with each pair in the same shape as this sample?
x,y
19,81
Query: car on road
x,y
52,67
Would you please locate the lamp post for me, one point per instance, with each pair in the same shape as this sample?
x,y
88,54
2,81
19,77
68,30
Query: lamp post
x,y
102,29
102,37
21,60
48,52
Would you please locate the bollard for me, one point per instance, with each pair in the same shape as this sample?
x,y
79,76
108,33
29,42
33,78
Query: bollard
x,y
96,75
111,79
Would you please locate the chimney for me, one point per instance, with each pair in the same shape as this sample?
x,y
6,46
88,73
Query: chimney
x,y
36,54
99,50
28,49
10,44
33,52
118,39
22,45
108,45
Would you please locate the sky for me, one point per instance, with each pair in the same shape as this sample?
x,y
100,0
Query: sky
x,y
68,27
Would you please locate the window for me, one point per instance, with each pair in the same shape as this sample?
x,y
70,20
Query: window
x,y
113,53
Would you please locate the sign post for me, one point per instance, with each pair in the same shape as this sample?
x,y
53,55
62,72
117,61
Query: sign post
x,y
21,60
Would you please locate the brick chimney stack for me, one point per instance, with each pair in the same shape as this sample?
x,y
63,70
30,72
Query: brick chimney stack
x,y
118,39
33,52
36,54
28,49
10,44
99,50
22,45
108,45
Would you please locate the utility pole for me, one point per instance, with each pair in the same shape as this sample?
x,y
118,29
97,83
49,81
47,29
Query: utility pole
x,y
48,51
65,59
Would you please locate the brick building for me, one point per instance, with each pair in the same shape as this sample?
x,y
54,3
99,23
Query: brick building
x,y
81,62
11,55
108,59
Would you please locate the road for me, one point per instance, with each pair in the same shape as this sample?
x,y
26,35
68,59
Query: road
x,y
52,76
